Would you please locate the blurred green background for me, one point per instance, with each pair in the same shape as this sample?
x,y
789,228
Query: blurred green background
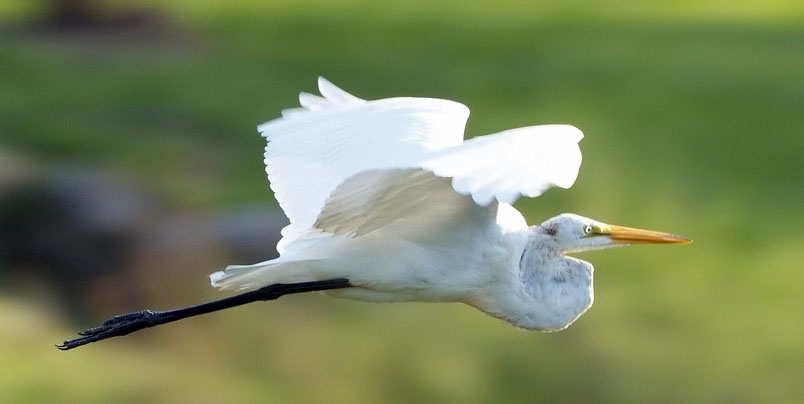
x,y
693,118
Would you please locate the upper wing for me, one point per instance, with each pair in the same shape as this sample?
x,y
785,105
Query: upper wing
x,y
312,150
501,167
524,161
342,165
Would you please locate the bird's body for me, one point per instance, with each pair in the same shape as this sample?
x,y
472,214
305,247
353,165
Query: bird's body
x,y
388,195
388,203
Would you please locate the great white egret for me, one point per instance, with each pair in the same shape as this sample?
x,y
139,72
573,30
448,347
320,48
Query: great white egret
x,y
388,203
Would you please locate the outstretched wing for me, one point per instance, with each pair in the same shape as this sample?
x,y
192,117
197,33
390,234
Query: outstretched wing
x,y
343,165
437,190
524,161
313,149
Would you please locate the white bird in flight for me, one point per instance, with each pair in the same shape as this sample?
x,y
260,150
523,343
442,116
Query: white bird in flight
x,y
388,203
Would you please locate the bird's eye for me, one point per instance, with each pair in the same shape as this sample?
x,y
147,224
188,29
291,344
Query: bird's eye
x,y
587,229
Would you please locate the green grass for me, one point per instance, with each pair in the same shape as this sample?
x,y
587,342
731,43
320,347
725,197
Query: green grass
x,y
692,112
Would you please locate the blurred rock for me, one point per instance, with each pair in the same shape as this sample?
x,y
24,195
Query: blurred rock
x,y
92,16
105,27
243,233
103,243
72,13
69,228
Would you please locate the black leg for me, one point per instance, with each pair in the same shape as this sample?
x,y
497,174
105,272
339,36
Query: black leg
x,y
127,323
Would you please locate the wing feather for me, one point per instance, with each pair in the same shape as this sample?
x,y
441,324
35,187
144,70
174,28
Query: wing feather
x,y
312,150
524,161
379,199
343,166
500,167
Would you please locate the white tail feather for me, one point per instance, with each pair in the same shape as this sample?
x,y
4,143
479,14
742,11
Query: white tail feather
x,y
251,277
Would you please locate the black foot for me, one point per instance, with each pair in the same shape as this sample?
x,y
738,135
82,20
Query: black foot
x,y
128,323
113,327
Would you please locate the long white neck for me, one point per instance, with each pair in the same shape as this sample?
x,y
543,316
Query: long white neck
x,y
553,289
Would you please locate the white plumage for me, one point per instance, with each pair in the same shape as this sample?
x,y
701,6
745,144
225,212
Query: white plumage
x,y
387,194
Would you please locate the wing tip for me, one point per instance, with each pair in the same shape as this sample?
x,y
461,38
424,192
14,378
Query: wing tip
x,y
324,83
573,130
335,94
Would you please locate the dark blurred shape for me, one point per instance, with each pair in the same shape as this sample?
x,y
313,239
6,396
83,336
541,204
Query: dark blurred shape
x,y
97,240
72,13
249,234
72,227
110,26
89,16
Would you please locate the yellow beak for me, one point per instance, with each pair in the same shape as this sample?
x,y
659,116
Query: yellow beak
x,y
628,235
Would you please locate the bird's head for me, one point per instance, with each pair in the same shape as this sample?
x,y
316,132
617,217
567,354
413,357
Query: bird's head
x,y
574,233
